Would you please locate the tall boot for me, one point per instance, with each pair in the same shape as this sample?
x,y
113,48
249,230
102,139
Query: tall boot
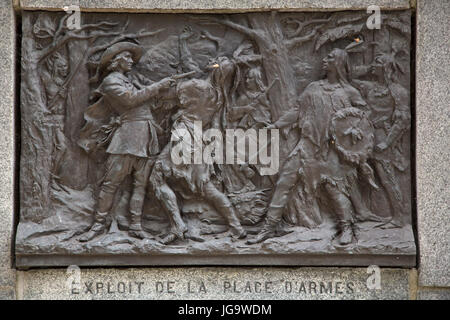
x,y
269,229
97,228
135,229
174,234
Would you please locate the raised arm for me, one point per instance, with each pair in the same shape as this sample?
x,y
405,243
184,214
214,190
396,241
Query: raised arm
x,y
187,61
119,91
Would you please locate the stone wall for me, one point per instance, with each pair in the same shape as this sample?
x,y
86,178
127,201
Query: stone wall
x,y
431,278
8,105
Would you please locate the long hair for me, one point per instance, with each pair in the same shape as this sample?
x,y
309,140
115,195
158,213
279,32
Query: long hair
x,y
391,70
342,63
391,67
51,63
256,73
223,79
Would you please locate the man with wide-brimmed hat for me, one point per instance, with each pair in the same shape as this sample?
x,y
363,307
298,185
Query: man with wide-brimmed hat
x,y
122,121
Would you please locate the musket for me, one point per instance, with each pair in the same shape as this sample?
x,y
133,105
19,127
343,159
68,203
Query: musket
x,y
174,77
182,75
69,78
268,88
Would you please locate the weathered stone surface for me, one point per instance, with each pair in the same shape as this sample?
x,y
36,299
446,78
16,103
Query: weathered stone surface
x,y
7,293
7,151
214,283
5,260
215,5
5,241
7,274
7,278
433,123
433,294
7,82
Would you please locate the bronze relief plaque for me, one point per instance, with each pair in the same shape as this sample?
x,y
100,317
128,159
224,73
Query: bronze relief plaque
x,y
241,139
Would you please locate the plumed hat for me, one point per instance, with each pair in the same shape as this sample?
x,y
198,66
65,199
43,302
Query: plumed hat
x,y
115,49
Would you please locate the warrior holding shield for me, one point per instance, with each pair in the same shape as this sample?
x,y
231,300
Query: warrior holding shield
x,y
327,112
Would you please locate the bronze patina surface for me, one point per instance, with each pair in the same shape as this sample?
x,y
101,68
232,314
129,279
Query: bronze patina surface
x,y
101,103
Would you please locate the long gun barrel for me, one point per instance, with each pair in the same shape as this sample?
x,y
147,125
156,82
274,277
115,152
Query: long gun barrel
x,y
182,75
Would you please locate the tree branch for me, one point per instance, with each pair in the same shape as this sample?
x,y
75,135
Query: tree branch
x,y
60,38
206,35
301,25
100,26
290,43
61,27
122,37
93,35
56,45
233,25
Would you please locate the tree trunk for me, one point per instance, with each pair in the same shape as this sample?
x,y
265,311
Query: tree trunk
x,y
275,61
36,137
282,96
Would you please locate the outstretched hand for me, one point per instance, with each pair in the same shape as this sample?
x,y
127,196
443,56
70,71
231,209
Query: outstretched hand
x,y
166,83
186,33
270,126
266,125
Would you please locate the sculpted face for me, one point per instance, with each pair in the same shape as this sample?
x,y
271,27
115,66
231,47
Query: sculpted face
x,y
253,79
328,63
62,68
376,68
125,61
249,50
250,82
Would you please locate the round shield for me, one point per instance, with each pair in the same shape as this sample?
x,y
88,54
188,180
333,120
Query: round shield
x,y
352,134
